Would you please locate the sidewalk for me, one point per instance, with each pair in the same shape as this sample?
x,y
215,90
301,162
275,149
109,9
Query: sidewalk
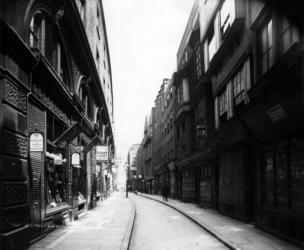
x,y
108,226
233,233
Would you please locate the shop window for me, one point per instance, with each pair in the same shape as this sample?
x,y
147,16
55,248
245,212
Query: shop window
x,y
56,181
283,175
269,177
266,41
288,35
55,165
297,175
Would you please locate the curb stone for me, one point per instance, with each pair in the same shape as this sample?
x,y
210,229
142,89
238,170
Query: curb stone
x,y
215,234
127,237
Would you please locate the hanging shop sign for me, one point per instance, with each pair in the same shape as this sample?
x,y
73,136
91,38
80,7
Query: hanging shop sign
x,y
58,159
102,153
36,142
76,159
98,168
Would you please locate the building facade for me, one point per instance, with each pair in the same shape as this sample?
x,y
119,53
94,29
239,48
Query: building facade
x,y
147,154
238,112
168,168
53,112
132,168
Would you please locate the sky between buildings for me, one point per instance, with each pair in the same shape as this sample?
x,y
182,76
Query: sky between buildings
x,y
143,36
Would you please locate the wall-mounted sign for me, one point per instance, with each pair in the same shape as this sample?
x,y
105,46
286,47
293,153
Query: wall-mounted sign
x,y
276,113
102,153
36,142
75,159
58,159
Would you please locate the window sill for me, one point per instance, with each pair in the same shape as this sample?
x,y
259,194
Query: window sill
x,y
55,210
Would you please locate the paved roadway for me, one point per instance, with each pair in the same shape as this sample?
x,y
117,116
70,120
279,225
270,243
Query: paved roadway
x,y
160,227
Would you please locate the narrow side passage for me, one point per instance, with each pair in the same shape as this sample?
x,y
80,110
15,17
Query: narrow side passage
x,y
161,227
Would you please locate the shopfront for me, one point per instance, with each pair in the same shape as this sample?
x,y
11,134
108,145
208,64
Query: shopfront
x,y
188,185
208,185
282,189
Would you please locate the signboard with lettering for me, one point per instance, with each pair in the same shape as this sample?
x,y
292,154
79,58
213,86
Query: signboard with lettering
x,y
102,153
36,142
58,159
276,113
75,159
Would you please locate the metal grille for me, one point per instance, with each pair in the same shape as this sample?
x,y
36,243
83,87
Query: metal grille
x,y
36,122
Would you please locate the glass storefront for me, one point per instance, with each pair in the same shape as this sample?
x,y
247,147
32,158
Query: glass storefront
x,y
283,175
56,181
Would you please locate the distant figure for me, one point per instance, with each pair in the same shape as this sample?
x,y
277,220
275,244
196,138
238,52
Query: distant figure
x,y
165,191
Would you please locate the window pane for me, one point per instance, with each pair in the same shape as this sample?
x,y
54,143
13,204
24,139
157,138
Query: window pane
x,y
286,41
269,33
297,175
264,63
270,55
211,48
268,177
264,40
281,175
295,35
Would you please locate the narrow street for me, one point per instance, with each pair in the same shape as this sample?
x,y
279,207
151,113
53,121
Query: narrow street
x,y
160,227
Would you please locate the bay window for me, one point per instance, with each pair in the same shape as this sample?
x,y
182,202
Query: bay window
x,y
233,95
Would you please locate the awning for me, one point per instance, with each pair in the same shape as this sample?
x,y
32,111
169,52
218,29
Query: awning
x,y
69,134
92,143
